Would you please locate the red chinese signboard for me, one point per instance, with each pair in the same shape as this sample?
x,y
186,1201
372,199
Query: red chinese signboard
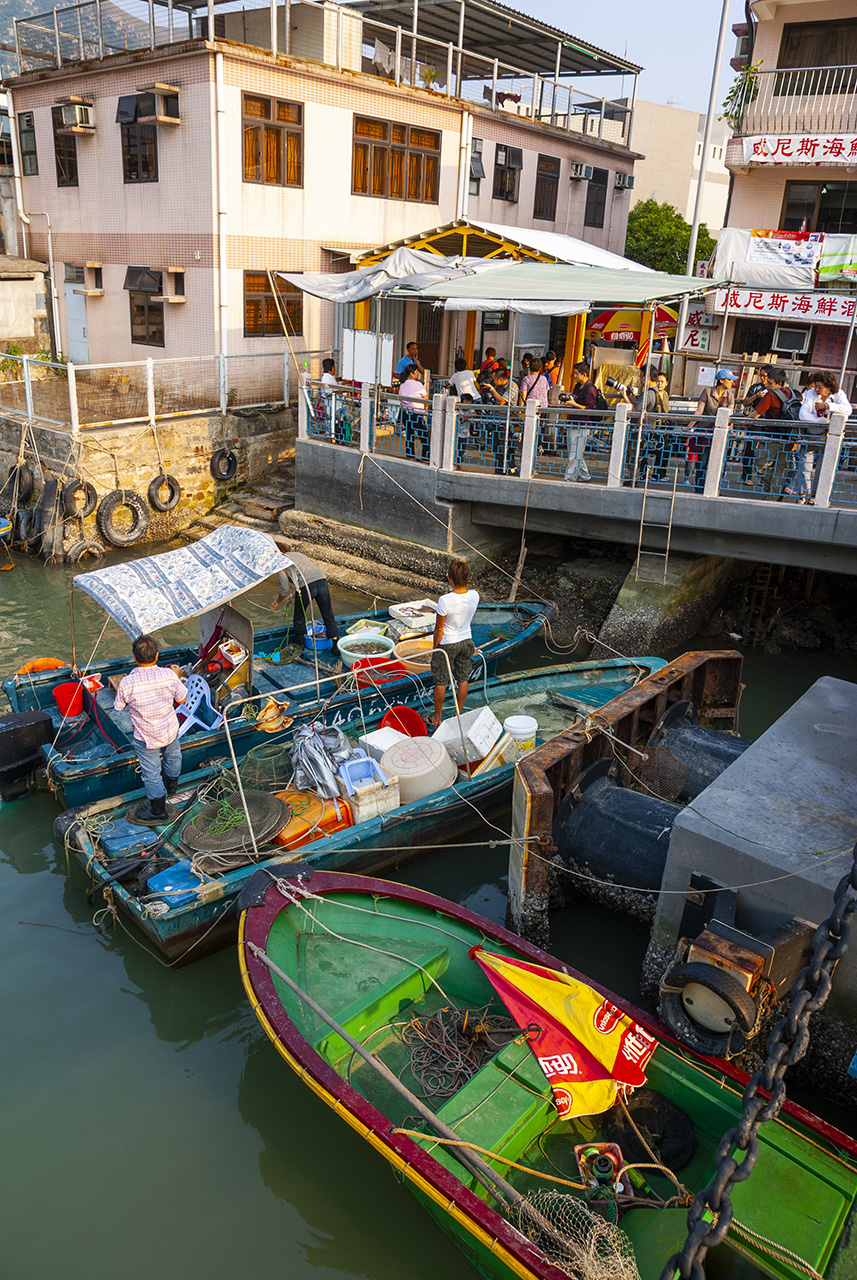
x,y
826,308
801,148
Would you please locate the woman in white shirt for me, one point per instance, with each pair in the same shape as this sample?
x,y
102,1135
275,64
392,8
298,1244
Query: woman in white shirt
x,y
414,416
452,635
821,397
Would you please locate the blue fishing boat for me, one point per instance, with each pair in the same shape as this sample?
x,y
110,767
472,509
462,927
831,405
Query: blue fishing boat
x,y
86,747
179,886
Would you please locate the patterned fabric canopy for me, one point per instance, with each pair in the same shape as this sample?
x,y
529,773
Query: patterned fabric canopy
x,y
145,595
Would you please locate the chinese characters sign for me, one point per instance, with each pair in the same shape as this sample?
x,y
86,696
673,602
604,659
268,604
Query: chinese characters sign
x,y
697,329
827,308
802,148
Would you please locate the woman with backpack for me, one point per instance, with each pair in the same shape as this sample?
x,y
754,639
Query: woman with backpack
x,y
781,406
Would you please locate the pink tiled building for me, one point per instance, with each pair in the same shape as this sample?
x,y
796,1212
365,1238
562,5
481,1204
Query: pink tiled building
x,y
175,170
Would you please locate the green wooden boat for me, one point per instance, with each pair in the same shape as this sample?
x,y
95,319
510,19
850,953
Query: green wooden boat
x,y
352,977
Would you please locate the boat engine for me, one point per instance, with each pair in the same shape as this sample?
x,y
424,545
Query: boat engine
x,y
612,833
726,979
702,754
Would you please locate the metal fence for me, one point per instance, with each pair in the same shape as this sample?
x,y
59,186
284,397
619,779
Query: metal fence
x,y
801,100
741,458
146,390
93,29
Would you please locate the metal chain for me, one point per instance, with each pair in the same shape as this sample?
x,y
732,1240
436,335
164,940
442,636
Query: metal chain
x,y
787,1044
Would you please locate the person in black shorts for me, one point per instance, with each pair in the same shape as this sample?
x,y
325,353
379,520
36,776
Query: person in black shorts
x,y
453,638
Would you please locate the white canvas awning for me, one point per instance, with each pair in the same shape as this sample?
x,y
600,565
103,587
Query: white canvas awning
x,y
415,268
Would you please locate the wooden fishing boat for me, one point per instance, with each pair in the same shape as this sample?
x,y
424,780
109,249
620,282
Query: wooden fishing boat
x,y
378,996
90,755
187,925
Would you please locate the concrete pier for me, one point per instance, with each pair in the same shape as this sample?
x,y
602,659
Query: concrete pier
x,y
779,825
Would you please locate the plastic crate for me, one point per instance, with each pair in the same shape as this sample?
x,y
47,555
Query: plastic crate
x,y
481,730
418,615
177,885
356,773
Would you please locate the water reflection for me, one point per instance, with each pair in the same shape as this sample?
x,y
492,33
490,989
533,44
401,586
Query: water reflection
x,y
357,1218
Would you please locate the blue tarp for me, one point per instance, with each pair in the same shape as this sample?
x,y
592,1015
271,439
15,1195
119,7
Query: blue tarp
x,y
145,595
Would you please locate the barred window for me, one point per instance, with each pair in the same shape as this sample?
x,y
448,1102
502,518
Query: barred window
x,y
547,186
27,144
508,163
65,152
273,141
395,161
261,317
596,198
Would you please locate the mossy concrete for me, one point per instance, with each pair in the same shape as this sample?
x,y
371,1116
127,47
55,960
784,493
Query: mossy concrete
x,y
650,617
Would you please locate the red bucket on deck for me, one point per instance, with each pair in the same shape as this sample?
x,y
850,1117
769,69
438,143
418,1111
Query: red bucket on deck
x,y
406,721
377,670
69,698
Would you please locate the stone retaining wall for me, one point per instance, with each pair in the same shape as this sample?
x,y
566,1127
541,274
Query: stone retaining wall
x,y
128,457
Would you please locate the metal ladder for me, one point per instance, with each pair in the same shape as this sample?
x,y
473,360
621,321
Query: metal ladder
x,y
648,525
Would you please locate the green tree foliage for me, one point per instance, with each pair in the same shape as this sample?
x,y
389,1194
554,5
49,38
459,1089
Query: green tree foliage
x,y
659,237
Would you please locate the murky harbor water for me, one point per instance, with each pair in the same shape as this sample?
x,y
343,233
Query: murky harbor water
x,y
148,1125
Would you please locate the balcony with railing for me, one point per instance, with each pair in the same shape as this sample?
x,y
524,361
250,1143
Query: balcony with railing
x,y
799,100
499,74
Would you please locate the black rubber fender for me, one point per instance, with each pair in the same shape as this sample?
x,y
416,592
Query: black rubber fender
x,y
715,1044
174,489
52,523
69,498
105,517
223,464
86,549
69,828
24,476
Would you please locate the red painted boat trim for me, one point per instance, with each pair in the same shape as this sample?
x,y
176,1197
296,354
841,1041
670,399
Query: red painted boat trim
x,y
258,922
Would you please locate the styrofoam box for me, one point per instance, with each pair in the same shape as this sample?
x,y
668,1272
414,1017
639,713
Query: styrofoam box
x,y
421,620
481,730
372,798
504,751
377,742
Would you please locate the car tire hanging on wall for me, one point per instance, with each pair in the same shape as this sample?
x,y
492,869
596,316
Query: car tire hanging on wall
x,y
105,519
24,478
86,549
70,502
223,465
174,493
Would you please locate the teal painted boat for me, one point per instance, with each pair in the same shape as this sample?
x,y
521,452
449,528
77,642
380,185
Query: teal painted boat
x,y
377,996
197,915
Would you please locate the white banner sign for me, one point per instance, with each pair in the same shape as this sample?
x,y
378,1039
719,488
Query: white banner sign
x,y
824,308
801,148
796,249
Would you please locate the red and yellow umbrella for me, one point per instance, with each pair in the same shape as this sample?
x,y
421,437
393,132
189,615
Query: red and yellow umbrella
x,y
625,325
587,1047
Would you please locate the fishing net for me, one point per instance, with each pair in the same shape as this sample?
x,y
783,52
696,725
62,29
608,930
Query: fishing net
x,y
574,1238
221,827
660,774
267,767
450,1046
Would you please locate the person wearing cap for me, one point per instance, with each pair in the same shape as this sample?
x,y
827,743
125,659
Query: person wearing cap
x,y
720,396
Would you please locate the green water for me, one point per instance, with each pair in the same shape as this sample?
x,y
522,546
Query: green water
x,y
148,1125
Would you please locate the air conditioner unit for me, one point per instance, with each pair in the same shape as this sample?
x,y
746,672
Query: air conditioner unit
x,y
78,117
792,338
580,171
624,181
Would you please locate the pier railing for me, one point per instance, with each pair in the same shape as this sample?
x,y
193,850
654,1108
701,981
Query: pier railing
x,y
108,395
739,458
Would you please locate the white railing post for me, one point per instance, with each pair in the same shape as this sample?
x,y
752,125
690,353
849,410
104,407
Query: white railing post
x,y
717,454
616,465
450,427
528,443
28,385
436,433
366,392
73,414
221,378
830,458
286,388
150,390
303,414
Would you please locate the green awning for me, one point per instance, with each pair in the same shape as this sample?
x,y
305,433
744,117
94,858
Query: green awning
x,y
557,282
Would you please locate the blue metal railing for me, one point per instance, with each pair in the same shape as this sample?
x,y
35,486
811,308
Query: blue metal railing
x,y
573,444
488,438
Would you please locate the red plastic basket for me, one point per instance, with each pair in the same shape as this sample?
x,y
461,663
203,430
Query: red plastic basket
x,y
406,720
371,672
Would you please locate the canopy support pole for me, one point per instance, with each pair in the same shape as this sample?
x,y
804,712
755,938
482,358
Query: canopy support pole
x,y
514,328
470,338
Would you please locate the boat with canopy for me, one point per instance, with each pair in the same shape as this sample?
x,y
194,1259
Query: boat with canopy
x,y
549,1127
89,753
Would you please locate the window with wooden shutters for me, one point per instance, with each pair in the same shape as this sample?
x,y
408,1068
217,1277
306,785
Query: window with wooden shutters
x,y
273,142
395,161
547,186
819,44
261,316
65,152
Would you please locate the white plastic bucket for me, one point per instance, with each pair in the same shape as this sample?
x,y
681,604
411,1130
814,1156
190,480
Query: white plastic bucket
x,y
523,729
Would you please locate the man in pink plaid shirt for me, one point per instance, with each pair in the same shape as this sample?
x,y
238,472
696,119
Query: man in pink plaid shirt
x,y
150,694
